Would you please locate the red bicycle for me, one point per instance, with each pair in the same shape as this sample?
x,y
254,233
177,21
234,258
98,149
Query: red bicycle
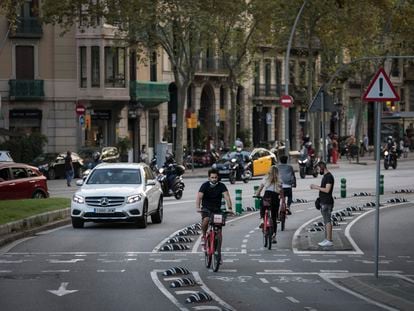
x,y
282,211
267,229
214,239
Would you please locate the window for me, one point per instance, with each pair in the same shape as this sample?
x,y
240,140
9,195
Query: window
x,y
153,67
292,72
114,67
24,62
95,74
257,78
82,63
302,73
19,172
267,77
278,77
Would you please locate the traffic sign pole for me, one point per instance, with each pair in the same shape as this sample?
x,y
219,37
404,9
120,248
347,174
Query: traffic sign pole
x,y
378,107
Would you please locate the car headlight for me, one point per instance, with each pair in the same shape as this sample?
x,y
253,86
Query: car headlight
x,y
78,199
134,198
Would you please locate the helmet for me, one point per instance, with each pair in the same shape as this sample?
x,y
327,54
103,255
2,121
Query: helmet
x,y
308,144
96,155
169,158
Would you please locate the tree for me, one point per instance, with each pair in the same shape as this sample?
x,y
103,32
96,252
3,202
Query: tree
x,y
180,27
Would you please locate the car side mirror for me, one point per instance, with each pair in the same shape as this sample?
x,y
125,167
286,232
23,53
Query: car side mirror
x,y
151,182
79,182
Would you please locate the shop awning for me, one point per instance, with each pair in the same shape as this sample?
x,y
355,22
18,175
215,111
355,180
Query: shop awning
x,y
149,93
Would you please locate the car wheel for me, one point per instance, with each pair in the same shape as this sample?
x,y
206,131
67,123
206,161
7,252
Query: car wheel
x,y
143,220
51,174
38,195
77,222
157,217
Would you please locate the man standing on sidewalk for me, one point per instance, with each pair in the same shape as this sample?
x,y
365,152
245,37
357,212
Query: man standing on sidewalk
x,y
327,201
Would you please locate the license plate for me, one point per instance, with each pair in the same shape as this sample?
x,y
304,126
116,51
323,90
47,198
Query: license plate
x,y
224,171
104,210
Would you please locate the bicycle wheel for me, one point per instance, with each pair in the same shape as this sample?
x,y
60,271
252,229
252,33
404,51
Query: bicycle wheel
x,y
207,254
216,254
269,237
265,231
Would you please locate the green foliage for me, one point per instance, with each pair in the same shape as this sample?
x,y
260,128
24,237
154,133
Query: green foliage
x,y
25,148
123,145
12,210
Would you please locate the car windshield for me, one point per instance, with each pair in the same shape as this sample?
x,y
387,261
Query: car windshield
x,y
45,157
115,176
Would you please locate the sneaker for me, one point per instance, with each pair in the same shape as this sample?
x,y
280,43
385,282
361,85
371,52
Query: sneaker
x,y
322,243
203,242
261,225
326,243
274,239
288,211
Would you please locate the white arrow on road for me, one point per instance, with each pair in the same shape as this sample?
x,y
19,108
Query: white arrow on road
x,y
62,291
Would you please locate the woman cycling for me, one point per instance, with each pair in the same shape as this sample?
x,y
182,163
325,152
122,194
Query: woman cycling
x,y
271,184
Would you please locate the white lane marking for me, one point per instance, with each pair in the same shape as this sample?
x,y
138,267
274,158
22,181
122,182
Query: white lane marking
x,y
13,261
327,279
264,280
334,271
276,289
251,231
55,271
168,260
245,241
247,236
275,261
65,261
322,261
299,211
207,308
404,256
228,270
62,291
111,271
7,248
198,241
208,291
291,299
5,271
167,294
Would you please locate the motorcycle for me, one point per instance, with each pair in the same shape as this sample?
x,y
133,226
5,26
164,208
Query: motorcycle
x,y
307,166
239,170
390,158
171,180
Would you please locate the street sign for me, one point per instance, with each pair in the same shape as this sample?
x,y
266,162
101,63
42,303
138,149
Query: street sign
x,y
81,120
286,101
80,109
381,89
322,98
268,118
174,120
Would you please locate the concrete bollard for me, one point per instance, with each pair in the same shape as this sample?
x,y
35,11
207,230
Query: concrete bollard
x,y
239,209
381,184
343,187
256,200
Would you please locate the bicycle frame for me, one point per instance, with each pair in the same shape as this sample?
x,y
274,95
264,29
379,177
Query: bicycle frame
x,y
214,239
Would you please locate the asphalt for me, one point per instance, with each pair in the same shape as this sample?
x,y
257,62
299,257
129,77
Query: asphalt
x,y
391,290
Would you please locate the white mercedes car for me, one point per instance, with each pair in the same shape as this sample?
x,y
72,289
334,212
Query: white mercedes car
x,y
118,192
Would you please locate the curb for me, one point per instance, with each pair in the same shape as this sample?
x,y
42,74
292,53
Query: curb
x,y
12,231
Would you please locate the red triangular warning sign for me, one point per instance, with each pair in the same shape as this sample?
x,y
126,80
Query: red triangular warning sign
x,y
381,89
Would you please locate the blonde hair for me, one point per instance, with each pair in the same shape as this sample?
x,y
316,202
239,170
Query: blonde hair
x,y
272,178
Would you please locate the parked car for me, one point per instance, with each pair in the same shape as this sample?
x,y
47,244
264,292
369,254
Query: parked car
x,y
118,192
52,165
262,159
21,181
5,156
202,158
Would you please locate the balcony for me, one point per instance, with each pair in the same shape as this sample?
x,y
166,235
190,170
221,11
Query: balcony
x,y
269,91
211,66
27,27
26,90
150,94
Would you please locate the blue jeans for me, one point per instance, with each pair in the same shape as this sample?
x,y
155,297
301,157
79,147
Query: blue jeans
x,y
69,176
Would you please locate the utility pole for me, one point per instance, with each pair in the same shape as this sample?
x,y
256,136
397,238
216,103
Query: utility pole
x,y
287,134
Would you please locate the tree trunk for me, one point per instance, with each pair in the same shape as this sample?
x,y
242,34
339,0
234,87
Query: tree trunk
x,y
233,114
181,103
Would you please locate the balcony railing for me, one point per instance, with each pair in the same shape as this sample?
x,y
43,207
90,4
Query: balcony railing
x,y
149,93
267,90
27,27
26,90
211,65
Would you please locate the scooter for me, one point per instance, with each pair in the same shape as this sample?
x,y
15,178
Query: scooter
x,y
390,159
239,171
171,180
307,166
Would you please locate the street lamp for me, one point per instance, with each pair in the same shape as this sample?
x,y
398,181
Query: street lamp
x,y
287,144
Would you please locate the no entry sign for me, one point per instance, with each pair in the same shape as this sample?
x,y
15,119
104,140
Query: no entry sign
x,y
286,101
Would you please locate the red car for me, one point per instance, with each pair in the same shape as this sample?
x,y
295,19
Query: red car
x,y
21,181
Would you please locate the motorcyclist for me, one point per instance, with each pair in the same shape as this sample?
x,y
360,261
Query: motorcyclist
x,y
169,166
391,146
96,156
310,152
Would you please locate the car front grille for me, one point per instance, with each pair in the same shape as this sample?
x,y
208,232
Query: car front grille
x,y
104,201
104,215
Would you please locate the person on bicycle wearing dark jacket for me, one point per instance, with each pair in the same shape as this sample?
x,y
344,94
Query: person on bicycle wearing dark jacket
x,y
271,185
209,199
287,175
